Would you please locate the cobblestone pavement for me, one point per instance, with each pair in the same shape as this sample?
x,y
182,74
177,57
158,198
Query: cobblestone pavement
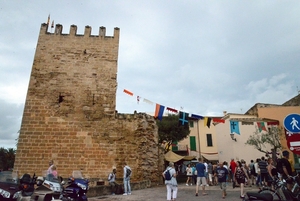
x,y
185,193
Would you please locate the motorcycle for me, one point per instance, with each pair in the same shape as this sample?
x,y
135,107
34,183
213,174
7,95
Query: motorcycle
x,y
14,189
259,196
49,188
76,189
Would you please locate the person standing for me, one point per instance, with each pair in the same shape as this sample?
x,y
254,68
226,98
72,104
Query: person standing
x,y
189,174
232,167
112,181
270,169
171,184
222,173
263,171
285,165
51,164
252,171
201,179
210,174
240,176
194,172
126,179
257,172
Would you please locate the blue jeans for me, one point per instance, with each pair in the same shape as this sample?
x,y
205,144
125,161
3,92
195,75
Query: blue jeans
x,y
127,188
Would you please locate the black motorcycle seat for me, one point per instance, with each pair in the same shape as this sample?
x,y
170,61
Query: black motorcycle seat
x,y
260,196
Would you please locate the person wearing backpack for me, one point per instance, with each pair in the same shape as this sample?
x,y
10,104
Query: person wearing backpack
x,y
171,183
240,175
126,179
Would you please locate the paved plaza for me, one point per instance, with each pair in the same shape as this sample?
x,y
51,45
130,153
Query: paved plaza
x,y
185,193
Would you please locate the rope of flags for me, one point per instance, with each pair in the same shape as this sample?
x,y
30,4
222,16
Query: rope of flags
x,y
184,116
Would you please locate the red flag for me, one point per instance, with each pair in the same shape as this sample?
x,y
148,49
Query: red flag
x,y
128,92
218,120
172,110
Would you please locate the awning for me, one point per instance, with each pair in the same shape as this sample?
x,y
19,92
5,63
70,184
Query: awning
x,y
172,157
211,157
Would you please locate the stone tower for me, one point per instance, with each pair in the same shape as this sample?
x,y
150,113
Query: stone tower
x,y
70,116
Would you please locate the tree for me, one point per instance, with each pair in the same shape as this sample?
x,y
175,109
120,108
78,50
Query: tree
x,y
170,131
7,158
272,137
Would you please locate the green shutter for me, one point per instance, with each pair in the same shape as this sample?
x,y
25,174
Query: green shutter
x,y
193,143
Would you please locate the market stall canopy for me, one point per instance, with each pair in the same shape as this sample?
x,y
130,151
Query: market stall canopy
x,y
172,157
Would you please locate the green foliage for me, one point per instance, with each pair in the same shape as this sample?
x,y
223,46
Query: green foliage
x,y
169,130
7,158
260,139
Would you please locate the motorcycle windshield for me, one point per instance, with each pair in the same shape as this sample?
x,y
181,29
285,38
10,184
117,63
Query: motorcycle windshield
x,y
9,177
76,174
50,177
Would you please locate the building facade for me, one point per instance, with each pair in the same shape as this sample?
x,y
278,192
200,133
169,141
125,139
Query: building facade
x,y
70,111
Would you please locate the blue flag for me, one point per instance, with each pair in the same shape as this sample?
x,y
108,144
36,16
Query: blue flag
x,y
234,127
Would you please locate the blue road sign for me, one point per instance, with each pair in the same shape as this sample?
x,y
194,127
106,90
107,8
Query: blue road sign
x,y
292,123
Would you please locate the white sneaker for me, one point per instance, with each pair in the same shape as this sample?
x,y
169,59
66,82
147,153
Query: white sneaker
x,y
191,184
128,193
186,184
125,194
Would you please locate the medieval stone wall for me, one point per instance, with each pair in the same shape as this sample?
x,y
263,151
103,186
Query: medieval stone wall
x,y
70,116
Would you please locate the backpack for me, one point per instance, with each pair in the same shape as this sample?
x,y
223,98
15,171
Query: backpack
x,y
239,173
167,175
279,167
128,172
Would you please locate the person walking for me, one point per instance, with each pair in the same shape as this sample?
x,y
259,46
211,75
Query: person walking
x,y
222,173
112,181
126,179
171,184
201,179
189,174
240,176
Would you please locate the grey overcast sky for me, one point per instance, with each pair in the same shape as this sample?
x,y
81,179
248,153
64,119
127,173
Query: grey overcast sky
x,y
201,57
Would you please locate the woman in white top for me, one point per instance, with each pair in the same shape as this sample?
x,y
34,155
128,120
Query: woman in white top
x,y
189,174
172,183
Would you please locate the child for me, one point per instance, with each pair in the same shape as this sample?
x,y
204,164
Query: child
x,y
54,171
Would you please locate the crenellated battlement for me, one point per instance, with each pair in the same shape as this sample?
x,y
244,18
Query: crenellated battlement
x,y
73,31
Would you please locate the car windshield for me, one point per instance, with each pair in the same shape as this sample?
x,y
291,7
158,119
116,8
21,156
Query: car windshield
x,y
9,177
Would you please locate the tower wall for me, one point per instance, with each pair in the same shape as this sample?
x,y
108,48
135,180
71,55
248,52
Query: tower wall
x,y
70,116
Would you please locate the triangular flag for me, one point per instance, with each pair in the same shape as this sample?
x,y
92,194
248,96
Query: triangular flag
x,y
128,92
48,20
159,111
261,126
172,110
147,101
183,118
234,127
196,116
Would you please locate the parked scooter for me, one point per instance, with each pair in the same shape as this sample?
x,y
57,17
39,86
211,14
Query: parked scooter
x,y
76,189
